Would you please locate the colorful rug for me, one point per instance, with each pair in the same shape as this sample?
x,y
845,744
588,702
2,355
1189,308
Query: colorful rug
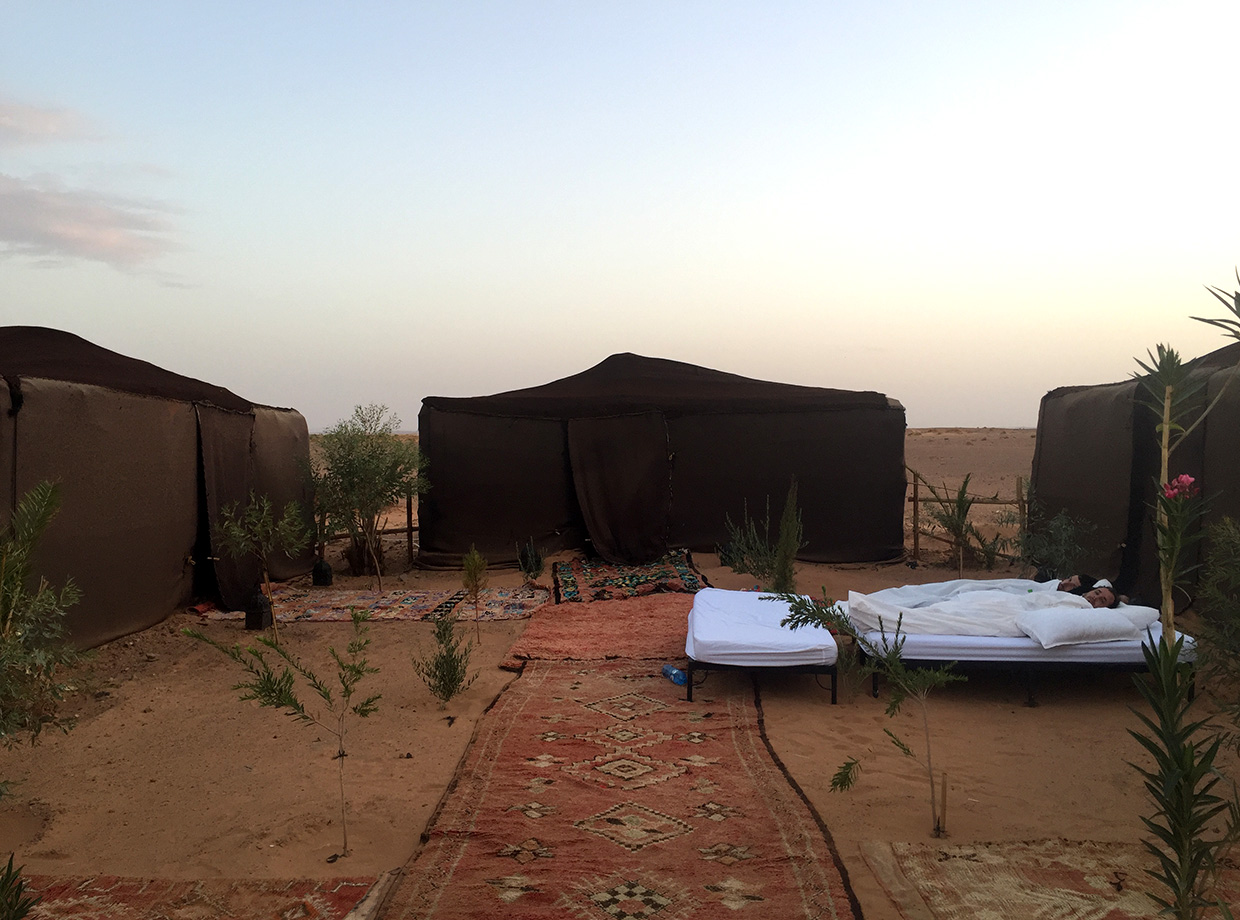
x,y
641,627
1037,880
595,580
598,792
154,899
330,604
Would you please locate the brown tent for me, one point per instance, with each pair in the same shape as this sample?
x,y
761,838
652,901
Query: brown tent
x,y
637,455
1097,458
144,458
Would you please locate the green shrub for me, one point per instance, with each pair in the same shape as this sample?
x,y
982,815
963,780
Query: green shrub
x,y
474,579
530,561
1218,634
751,552
254,530
34,648
445,671
278,690
1181,786
905,683
364,468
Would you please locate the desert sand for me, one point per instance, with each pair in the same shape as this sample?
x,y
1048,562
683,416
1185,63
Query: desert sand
x,y
167,774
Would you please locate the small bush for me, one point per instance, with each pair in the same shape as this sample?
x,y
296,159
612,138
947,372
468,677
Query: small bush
x,y
530,561
445,671
34,646
1218,635
751,552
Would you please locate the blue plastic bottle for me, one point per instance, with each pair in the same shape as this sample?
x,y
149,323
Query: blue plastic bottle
x,y
675,675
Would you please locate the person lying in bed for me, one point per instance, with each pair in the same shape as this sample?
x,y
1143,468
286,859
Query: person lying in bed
x,y
978,611
1102,595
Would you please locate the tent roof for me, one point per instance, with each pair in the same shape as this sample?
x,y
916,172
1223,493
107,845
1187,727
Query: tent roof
x,y
627,383
36,351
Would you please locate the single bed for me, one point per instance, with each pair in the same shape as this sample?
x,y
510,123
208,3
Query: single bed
x,y
730,630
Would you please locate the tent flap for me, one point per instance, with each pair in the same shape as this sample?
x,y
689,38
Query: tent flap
x,y
622,477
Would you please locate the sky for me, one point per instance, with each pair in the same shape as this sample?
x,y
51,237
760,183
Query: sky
x,y
318,205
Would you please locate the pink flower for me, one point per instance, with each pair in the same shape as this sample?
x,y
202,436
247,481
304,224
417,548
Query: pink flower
x,y
1183,486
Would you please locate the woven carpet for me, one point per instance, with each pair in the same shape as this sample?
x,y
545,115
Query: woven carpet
x,y
324,604
595,580
652,626
597,792
115,898
1037,880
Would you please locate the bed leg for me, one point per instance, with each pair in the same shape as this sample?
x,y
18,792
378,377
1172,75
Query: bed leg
x,y
834,686
1031,688
689,683
874,685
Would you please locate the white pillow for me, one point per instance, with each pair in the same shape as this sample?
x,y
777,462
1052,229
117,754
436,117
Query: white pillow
x,y
1138,616
1068,626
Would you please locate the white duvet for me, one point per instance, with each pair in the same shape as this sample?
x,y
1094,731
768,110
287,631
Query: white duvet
x,y
968,607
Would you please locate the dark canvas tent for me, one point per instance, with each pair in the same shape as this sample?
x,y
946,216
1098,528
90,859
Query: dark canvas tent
x,y
637,455
144,458
1097,458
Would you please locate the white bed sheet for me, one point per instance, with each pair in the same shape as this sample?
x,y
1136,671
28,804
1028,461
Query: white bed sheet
x,y
740,628
1024,649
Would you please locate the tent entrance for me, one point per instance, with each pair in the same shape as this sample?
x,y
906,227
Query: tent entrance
x,y
622,474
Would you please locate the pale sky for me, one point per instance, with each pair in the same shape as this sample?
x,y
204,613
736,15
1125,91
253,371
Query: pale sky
x,y
962,205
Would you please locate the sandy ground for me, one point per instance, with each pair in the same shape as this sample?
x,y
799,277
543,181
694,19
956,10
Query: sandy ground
x,y
168,774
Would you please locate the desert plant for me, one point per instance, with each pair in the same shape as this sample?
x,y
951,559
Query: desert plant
x,y
1218,632
14,902
783,579
751,552
1171,392
445,671
747,550
254,530
278,690
530,561
474,580
905,684
1051,545
34,648
364,468
950,512
1181,785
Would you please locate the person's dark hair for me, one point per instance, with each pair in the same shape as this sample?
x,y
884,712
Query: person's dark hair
x,y
1086,585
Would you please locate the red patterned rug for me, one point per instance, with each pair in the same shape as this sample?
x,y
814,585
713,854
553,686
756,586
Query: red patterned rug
x,y
116,898
598,792
652,626
1037,880
333,604
595,580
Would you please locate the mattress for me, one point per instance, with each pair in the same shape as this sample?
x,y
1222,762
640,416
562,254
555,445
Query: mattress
x,y
741,628
998,649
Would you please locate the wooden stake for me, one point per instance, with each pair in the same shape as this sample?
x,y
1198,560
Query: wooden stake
x,y
409,524
943,807
916,523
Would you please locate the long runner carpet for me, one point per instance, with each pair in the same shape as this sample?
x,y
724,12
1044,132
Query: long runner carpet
x,y
594,580
1033,880
119,898
597,792
294,604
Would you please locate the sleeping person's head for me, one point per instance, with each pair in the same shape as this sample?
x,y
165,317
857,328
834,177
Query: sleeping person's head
x,y
1077,584
1101,596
